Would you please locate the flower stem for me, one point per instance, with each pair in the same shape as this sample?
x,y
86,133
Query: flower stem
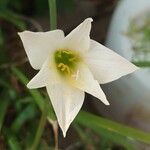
x,y
53,14
39,130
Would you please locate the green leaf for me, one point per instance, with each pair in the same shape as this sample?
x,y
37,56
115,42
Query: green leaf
x,y
142,63
101,125
38,98
67,5
83,135
4,103
105,144
27,114
4,4
44,146
40,130
4,83
115,138
1,38
21,102
13,144
12,18
11,140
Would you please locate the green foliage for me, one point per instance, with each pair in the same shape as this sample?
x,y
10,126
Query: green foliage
x,y
67,5
8,4
41,6
112,131
21,108
1,38
111,126
4,4
13,18
38,98
4,103
26,114
139,35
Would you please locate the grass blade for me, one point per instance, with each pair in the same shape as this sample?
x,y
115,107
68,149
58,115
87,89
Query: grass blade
x,y
11,140
13,144
12,18
99,124
28,113
3,110
38,98
142,63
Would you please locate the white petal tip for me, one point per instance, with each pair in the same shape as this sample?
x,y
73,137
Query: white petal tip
x,y
88,20
21,33
137,68
24,33
132,69
106,103
64,134
28,86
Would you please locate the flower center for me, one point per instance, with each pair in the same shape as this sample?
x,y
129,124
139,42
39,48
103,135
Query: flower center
x,y
66,61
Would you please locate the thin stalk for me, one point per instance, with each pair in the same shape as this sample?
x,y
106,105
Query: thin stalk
x,y
53,14
39,131
55,130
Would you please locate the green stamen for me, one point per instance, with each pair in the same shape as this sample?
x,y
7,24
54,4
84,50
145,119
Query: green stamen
x,y
66,61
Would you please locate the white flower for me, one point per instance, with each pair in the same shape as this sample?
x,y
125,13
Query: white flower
x,y
70,66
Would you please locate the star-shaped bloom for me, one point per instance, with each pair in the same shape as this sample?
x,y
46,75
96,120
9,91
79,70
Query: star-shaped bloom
x,y
70,66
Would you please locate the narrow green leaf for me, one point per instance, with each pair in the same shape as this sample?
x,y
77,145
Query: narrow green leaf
x,y
99,124
40,130
13,144
105,144
44,146
83,135
4,4
12,18
38,98
142,63
28,113
11,139
1,38
115,138
4,103
4,83
19,104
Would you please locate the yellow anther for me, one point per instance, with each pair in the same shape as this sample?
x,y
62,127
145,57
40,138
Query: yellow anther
x,y
64,68
67,52
72,59
68,70
66,61
60,65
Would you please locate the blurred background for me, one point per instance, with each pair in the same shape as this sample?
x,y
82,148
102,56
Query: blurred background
x,y
122,25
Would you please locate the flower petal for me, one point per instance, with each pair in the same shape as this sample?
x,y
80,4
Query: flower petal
x,y
66,101
79,38
107,65
38,45
46,75
83,79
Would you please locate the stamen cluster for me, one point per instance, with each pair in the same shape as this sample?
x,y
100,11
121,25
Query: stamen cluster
x,y
66,61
